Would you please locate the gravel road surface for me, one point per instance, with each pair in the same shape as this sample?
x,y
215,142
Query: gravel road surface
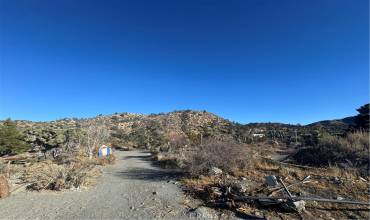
x,y
131,189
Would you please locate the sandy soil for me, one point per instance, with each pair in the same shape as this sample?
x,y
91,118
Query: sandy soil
x,y
131,189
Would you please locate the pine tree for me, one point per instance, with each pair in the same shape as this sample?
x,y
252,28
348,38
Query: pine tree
x,y
11,139
363,116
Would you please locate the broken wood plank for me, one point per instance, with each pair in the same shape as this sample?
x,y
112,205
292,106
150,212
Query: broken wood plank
x,y
285,188
295,198
305,180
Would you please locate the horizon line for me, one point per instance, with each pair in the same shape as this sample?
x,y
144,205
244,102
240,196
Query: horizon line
x,y
168,112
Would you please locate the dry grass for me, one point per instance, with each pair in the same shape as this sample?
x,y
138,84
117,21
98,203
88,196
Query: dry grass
x,y
251,164
227,156
168,161
352,150
49,175
65,172
325,183
200,182
4,187
110,159
171,159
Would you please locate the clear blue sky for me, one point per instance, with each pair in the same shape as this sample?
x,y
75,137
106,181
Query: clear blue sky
x,y
293,61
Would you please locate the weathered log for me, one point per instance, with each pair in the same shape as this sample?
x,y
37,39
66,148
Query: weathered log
x,y
296,198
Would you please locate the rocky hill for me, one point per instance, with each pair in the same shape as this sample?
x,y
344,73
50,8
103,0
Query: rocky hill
x,y
176,128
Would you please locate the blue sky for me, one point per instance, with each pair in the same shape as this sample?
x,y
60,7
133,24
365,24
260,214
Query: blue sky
x,y
249,60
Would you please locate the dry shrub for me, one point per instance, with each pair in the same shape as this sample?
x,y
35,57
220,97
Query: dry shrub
x,y
266,165
110,159
65,172
51,176
342,173
352,150
200,182
4,187
227,156
170,160
170,163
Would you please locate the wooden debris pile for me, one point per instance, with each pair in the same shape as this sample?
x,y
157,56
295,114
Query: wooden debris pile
x,y
274,194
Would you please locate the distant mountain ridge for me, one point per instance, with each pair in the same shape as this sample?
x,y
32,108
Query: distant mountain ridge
x,y
349,121
336,125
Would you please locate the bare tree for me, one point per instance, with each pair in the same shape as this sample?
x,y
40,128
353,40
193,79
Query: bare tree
x,y
97,133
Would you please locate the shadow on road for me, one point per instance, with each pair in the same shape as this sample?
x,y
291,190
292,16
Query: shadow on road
x,y
152,173
148,174
140,157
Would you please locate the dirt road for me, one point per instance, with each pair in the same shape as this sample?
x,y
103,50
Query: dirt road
x,y
131,189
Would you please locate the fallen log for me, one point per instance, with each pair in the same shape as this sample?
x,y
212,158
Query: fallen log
x,y
297,198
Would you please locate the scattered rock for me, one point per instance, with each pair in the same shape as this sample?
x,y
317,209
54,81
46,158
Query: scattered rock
x,y
77,189
202,213
258,214
271,180
4,187
297,206
215,171
240,187
300,206
215,191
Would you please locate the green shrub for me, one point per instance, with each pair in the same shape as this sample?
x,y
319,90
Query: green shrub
x,y
11,140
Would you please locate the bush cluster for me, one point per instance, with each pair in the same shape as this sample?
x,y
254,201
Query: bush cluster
x,y
11,140
65,172
353,149
52,176
226,155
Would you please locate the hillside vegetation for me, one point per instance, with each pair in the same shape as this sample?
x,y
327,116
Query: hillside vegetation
x,y
161,131
213,153
174,136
